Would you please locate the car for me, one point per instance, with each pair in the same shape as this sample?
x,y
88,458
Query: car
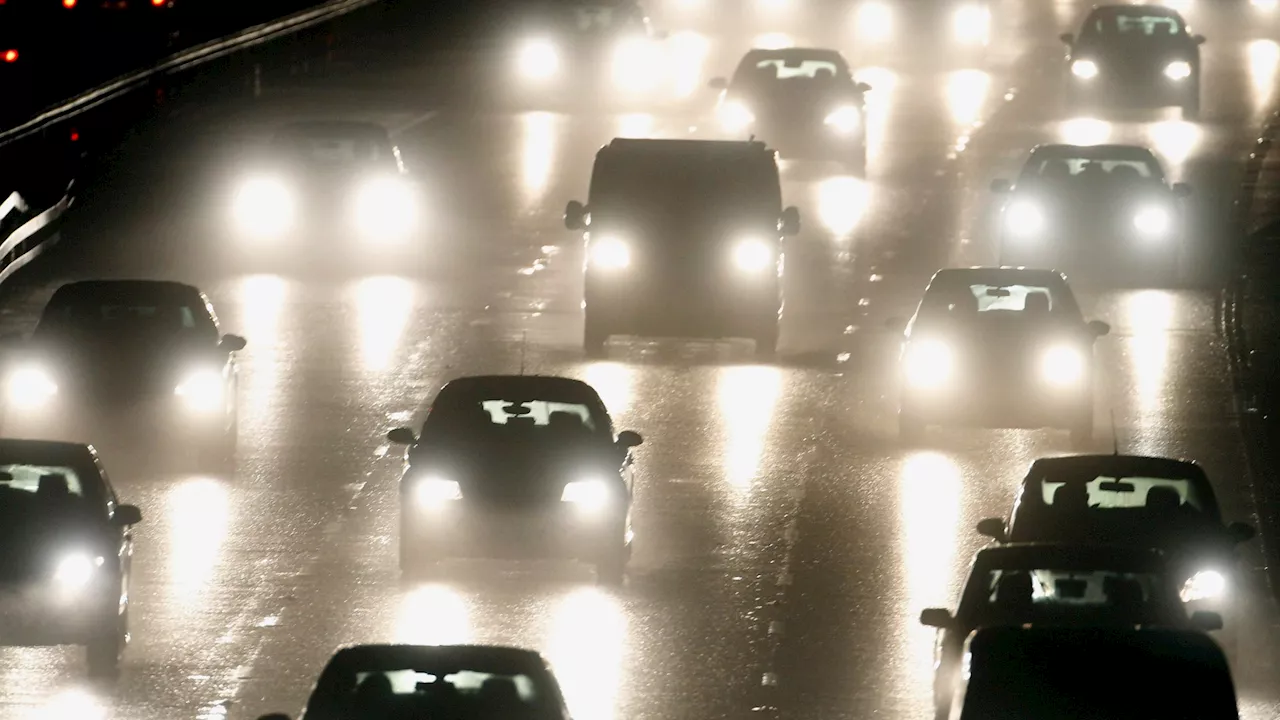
x,y
515,467
1136,501
589,52
324,182
804,102
69,551
997,347
392,681
1134,55
1059,673
954,34
683,238
135,363
1046,584
1105,209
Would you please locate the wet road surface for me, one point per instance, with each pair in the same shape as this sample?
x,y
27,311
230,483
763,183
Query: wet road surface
x,y
786,543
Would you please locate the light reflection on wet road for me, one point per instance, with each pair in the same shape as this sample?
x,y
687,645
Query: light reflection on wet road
x,y
757,482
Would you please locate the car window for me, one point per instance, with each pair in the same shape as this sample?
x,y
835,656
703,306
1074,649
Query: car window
x,y
976,300
44,480
1130,492
410,692
1091,169
605,18
148,318
780,69
1024,591
1136,25
500,419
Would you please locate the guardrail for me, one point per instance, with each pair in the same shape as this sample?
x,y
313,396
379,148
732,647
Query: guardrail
x,y
25,226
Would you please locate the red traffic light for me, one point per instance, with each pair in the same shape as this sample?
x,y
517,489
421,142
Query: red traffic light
x,y
68,4
10,56
158,3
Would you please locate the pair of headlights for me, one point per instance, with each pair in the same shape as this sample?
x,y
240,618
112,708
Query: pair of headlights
x,y
970,23
750,255
1026,218
385,208
1088,70
635,62
931,364
736,117
589,495
201,390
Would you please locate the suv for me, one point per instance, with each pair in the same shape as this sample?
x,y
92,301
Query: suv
x,y
684,238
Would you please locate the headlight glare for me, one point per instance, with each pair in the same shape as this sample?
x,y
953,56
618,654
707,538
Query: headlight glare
x,y
1025,218
74,571
1178,70
844,120
634,63
1153,221
1204,585
928,363
971,24
31,387
539,59
385,208
433,491
611,253
735,117
1084,69
752,255
1063,366
202,390
586,494
265,207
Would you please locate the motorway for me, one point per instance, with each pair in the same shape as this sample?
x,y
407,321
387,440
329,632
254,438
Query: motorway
x,y
786,543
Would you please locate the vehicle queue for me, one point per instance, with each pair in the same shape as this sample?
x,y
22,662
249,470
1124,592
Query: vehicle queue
x,y
685,238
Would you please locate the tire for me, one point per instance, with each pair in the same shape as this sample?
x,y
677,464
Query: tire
x,y
611,570
594,337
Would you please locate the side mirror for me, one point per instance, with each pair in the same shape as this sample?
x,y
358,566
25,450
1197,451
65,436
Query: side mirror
x,y
1206,621
1067,38
790,223
863,87
1199,39
896,324
1000,186
575,215
126,515
1181,190
1241,532
232,343
718,84
402,436
993,528
1099,328
936,618
629,439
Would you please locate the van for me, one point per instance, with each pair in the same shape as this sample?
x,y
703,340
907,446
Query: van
x,y
683,238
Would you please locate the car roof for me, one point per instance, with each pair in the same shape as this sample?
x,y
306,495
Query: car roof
x,y
798,53
685,148
127,290
1000,276
1065,556
498,658
332,128
1113,150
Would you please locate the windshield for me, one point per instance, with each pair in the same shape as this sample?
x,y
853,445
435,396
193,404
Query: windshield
x,y
1088,171
1020,595
334,150
668,192
962,301
496,419
1106,509
403,693
140,318
1135,24
31,496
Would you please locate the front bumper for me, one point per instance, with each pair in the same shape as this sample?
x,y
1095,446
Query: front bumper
x,y
1012,405
42,614
457,530
1144,92
1095,252
628,306
145,423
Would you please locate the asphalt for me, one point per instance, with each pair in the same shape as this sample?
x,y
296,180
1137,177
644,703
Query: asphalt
x,y
786,542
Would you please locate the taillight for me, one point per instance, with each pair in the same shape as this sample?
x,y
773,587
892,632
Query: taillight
x,y
11,56
68,4
158,3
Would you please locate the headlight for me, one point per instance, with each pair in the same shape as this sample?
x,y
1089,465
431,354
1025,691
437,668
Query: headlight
x,y
1063,366
735,117
265,207
586,494
76,570
1084,69
1025,218
875,20
539,59
31,387
385,208
634,64
202,390
928,363
435,491
752,255
1204,585
1178,70
844,120
1153,221
610,252
972,24
1265,4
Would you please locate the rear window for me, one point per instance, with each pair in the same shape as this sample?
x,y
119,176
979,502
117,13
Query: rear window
x,y
452,694
1091,169
1121,493
44,480
497,418
781,69
1136,24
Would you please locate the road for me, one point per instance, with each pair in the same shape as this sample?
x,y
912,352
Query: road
x,y
786,543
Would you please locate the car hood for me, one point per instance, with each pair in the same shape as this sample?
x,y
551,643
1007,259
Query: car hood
x,y
799,102
1139,52
514,473
34,545
122,365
